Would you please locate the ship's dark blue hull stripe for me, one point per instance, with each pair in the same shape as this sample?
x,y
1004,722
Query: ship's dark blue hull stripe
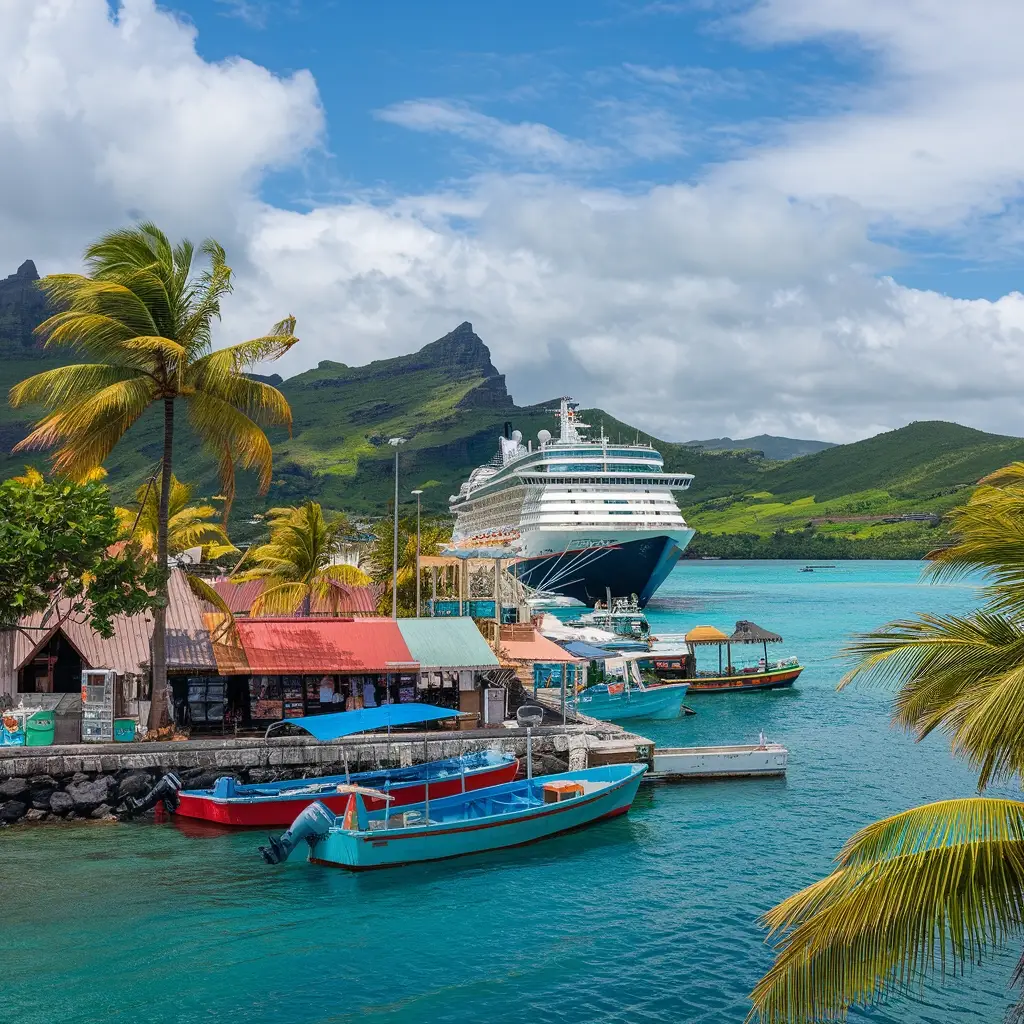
x,y
636,567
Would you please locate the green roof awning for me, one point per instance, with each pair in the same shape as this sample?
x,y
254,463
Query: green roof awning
x,y
447,643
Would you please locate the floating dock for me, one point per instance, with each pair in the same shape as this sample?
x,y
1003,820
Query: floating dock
x,y
684,764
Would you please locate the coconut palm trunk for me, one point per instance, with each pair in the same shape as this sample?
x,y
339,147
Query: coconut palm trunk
x,y
145,317
160,698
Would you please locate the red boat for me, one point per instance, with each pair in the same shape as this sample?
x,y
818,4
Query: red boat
x,y
278,803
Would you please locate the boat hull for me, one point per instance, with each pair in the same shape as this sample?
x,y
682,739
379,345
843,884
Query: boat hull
x,y
278,809
750,681
367,850
619,565
661,702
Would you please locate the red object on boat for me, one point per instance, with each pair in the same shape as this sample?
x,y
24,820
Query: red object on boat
x,y
281,810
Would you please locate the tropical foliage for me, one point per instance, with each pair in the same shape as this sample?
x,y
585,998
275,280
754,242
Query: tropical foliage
x,y
144,317
188,526
296,564
53,548
933,890
434,534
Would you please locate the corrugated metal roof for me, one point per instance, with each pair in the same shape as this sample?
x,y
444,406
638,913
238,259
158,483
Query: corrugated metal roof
x,y
127,651
536,648
352,600
306,646
447,643
188,640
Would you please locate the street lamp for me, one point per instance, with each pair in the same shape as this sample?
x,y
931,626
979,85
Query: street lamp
x,y
418,493
395,442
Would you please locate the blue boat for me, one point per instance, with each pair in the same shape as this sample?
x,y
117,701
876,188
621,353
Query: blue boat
x,y
618,701
276,804
625,696
496,818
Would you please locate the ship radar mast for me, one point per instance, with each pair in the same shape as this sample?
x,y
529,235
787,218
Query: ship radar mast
x,y
570,424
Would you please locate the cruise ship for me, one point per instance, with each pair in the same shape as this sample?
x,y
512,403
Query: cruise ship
x,y
583,518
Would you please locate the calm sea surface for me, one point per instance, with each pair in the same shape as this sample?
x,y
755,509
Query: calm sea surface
x,y
648,918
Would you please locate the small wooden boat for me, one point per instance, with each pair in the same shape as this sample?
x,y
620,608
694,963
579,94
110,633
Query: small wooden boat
x,y
276,804
497,818
773,678
673,764
666,666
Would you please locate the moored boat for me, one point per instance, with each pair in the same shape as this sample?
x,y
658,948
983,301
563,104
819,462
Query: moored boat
x,y
624,695
499,817
276,804
667,666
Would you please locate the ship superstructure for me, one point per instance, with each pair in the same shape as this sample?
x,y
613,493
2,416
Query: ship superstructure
x,y
584,518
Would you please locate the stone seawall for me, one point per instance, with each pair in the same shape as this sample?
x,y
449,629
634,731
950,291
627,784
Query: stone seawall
x,y
70,783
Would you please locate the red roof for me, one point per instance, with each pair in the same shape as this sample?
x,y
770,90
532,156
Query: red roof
x,y
529,645
351,599
309,646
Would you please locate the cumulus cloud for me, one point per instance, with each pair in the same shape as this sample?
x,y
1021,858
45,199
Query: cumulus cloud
x,y
108,118
752,301
932,137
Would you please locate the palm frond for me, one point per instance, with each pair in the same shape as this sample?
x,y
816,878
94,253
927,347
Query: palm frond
x,y
281,599
929,891
68,384
219,423
964,675
87,432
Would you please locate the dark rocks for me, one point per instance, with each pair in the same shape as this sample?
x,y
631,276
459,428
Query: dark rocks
x,y
135,784
103,813
13,789
88,795
79,777
12,810
40,798
61,803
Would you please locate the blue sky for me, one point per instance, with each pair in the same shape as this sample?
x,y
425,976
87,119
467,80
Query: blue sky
x,y
661,90
708,216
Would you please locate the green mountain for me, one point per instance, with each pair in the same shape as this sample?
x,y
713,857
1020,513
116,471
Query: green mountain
x,y
770,446
881,497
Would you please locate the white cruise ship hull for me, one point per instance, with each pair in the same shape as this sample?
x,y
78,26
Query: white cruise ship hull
x,y
586,566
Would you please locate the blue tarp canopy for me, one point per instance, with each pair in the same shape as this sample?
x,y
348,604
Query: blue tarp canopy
x,y
588,651
345,723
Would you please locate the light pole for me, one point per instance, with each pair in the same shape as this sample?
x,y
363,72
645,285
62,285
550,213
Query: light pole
x,y
418,493
395,442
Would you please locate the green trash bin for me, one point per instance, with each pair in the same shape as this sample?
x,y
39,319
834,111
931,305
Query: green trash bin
x,y
39,729
124,730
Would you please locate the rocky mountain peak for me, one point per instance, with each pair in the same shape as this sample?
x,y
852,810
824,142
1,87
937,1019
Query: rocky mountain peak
x,y
458,351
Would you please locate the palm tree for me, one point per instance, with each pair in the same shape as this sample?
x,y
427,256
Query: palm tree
x,y
145,316
937,887
188,525
433,536
295,566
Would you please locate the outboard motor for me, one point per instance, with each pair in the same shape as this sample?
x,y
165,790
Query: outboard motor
x,y
166,790
312,823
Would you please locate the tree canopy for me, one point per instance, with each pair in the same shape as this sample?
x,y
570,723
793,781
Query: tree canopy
x,y
54,541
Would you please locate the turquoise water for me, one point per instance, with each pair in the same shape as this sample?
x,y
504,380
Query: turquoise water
x,y
650,918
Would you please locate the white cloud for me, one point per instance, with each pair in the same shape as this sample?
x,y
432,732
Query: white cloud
x,y
104,119
692,309
526,141
933,136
